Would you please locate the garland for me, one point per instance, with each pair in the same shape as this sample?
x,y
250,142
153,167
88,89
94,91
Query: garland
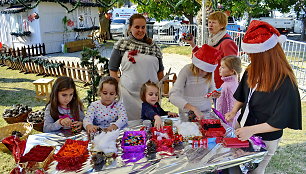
x,y
20,34
86,29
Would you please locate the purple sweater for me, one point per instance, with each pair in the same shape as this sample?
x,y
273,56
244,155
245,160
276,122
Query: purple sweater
x,y
225,102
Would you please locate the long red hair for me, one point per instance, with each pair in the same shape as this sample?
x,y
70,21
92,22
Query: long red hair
x,y
269,69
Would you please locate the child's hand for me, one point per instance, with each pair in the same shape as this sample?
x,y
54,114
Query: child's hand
x,y
158,122
172,115
199,114
229,116
111,128
66,122
216,94
91,128
77,124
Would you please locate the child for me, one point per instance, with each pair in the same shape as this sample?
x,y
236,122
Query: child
x,y
151,110
229,71
64,109
194,82
108,112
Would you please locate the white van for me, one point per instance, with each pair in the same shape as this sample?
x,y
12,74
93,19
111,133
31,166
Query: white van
x,y
123,12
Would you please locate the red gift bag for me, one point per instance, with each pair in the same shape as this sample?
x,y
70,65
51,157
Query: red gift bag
x,y
235,143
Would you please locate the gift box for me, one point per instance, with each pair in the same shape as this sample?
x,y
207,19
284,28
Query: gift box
x,y
210,123
235,143
139,146
163,138
215,132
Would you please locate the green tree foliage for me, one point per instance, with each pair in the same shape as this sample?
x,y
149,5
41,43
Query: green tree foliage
x,y
168,9
256,8
90,58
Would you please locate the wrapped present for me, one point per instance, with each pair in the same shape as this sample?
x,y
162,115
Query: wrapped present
x,y
163,138
133,141
235,143
215,132
210,123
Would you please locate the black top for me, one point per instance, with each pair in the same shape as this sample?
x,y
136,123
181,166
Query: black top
x,y
149,111
280,108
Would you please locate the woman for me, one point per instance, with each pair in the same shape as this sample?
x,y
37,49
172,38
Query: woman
x,y
140,60
268,92
219,39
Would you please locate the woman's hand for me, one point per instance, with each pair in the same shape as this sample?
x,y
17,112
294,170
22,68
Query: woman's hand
x,y
230,116
77,124
190,42
91,128
66,122
244,133
172,114
111,128
158,122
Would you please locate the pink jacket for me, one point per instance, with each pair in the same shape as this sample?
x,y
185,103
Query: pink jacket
x,y
229,48
225,102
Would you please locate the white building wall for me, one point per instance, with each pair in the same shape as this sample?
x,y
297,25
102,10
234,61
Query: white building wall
x,y
48,29
8,25
52,27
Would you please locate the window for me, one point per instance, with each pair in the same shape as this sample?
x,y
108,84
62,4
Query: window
x,y
84,17
17,23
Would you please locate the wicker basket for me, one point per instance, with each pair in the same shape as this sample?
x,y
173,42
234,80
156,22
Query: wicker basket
x,y
24,128
20,118
38,126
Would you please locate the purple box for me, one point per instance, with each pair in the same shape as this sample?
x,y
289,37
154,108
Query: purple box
x,y
137,148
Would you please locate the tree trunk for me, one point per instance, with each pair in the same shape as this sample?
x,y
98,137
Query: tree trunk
x,y
190,18
104,26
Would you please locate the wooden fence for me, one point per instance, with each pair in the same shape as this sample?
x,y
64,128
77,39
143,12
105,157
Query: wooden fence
x,y
27,51
63,68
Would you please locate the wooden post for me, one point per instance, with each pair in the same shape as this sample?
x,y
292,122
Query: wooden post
x,y
44,49
78,71
73,70
68,70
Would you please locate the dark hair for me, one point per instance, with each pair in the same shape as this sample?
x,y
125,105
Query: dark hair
x,y
143,89
109,80
61,84
131,21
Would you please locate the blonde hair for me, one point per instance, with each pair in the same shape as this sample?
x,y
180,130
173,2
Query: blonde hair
x,y
233,63
269,69
220,17
143,89
195,71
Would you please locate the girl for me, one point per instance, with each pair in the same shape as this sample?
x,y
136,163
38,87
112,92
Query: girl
x,y
229,71
268,94
108,112
64,108
195,81
151,110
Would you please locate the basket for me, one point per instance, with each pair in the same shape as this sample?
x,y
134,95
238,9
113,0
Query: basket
x,y
20,118
24,128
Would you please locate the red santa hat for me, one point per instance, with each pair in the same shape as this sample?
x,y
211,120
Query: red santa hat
x,y
206,58
260,37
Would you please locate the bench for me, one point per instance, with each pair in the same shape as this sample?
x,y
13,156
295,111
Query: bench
x,y
79,45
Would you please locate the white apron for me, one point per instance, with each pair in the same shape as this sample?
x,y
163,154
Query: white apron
x,y
132,78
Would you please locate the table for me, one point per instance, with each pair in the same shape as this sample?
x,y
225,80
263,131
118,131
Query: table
x,y
187,160
42,88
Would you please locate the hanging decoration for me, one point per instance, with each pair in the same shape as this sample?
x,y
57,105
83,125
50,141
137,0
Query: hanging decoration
x,y
20,34
33,16
86,29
